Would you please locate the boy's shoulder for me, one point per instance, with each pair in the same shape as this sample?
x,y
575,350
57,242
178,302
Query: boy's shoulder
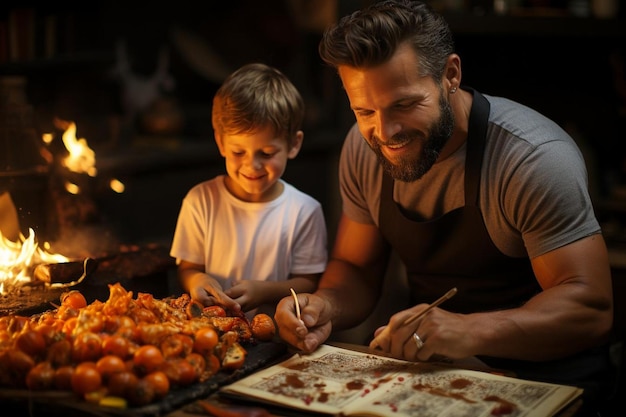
x,y
296,193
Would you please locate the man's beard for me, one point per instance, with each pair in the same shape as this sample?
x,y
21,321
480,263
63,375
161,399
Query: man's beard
x,y
414,168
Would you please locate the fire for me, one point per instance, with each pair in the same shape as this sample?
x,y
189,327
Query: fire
x,y
81,158
17,259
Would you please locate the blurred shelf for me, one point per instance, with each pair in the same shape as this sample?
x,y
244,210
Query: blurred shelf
x,y
536,26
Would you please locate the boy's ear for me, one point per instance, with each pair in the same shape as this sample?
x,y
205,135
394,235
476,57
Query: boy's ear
x,y
296,144
219,142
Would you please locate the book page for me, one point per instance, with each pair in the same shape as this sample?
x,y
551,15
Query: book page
x,y
336,381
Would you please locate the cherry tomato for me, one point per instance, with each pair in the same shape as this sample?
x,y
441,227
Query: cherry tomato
x,y
87,346
212,366
86,378
114,323
179,371
40,377
49,333
177,345
205,339
31,342
14,366
147,358
198,362
109,365
69,325
122,384
59,353
142,393
160,383
66,312
91,322
116,345
263,327
63,377
214,311
73,299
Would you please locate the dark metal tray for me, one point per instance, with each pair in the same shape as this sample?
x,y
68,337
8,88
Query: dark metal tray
x,y
54,403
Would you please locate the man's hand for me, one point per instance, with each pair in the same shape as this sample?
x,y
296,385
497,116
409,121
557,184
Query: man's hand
x,y
314,327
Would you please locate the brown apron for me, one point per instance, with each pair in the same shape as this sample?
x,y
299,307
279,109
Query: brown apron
x,y
455,250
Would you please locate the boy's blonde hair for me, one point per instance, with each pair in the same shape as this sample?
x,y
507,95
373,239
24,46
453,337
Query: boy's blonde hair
x,y
256,96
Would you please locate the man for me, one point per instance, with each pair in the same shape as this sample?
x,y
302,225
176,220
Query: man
x,y
472,191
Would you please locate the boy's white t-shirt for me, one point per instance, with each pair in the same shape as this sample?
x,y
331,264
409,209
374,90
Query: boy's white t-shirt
x,y
237,240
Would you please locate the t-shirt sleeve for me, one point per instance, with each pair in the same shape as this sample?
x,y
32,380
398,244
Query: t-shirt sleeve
x,y
547,198
187,243
310,251
357,179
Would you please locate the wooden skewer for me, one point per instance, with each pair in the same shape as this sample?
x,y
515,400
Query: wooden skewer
x,y
295,299
415,316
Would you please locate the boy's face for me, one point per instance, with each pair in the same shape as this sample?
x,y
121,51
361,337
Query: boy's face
x,y
255,162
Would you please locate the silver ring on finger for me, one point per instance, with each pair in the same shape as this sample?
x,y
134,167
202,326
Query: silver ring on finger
x,y
418,342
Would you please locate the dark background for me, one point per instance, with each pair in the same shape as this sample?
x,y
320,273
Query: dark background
x,y
550,55
555,56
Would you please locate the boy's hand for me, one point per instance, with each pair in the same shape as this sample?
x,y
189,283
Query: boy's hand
x,y
208,292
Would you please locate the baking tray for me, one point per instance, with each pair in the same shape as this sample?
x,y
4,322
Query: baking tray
x,y
53,403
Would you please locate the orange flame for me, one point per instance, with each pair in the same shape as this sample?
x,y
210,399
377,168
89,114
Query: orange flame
x,y
81,158
18,258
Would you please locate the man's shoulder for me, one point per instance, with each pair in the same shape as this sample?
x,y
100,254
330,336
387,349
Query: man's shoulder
x,y
522,121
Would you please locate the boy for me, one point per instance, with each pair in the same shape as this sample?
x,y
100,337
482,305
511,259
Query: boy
x,y
242,240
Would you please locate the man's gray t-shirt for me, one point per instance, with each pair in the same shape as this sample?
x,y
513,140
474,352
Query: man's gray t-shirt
x,y
533,189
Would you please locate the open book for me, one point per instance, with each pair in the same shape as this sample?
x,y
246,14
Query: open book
x,y
338,381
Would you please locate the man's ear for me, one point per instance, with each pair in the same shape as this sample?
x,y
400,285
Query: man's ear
x,y
220,142
296,144
452,74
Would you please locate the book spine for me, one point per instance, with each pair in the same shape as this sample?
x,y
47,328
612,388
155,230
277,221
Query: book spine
x,y
21,34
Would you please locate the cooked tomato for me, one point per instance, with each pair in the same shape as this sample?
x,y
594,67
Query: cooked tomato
x,y
109,365
69,325
198,362
66,312
40,376
179,371
122,383
87,346
205,340
14,366
160,383
59,353
213,365
142,393
86,378
214,311
31,342
147,358
73,299
49,333
116,345
91,322
63,377
177,345
263,327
